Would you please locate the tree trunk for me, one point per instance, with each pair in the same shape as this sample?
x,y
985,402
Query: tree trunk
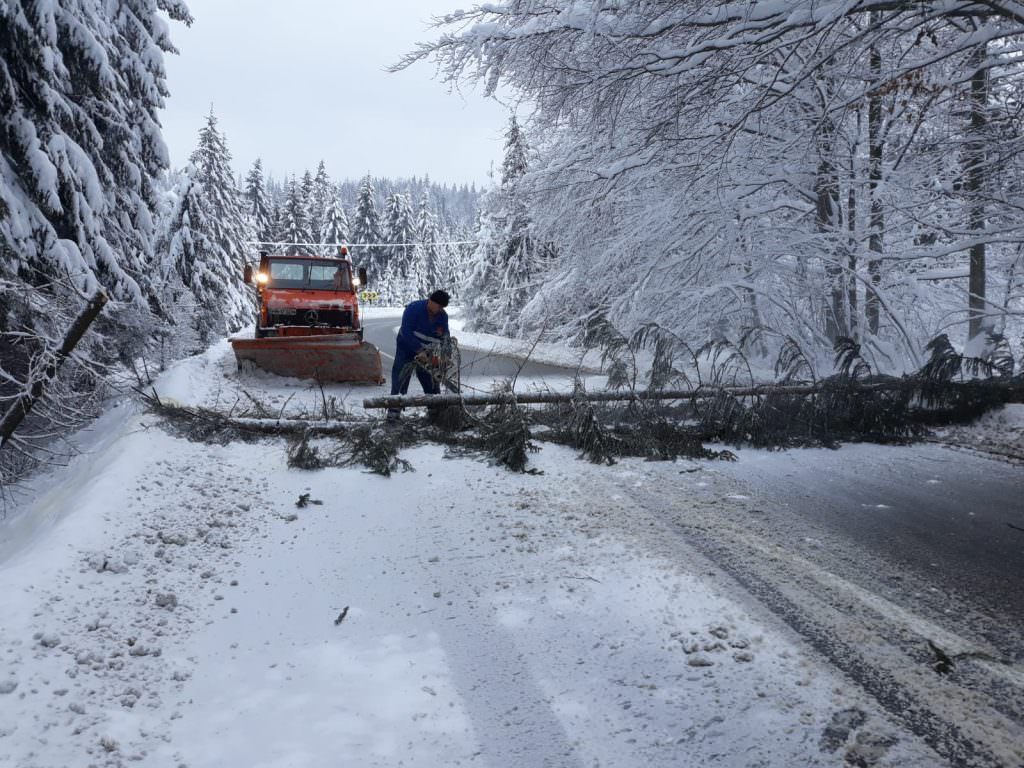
x,y
872,306
1011,390
851,267
975,172
826,190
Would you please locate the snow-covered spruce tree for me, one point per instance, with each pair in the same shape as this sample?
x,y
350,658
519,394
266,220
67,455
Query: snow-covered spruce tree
x,y
367,234
320,194
335,223
427,255
80,145
451,263
81,85
399,233
479,298
193,272
225,249
306,195
498,286
257,205
294,224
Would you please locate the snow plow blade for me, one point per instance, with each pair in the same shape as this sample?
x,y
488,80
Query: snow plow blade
x,y
326,357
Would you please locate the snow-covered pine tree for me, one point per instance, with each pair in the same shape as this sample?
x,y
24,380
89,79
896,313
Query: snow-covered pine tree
x,y
428,252
212,162
276,225
80,146
294,225
194,262
276,191
399,232
501,267
306,194
514,164
257,206
335,227
480,298
320,195
453,260
366,233
225,228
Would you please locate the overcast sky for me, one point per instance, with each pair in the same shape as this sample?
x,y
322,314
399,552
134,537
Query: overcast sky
x,y
303,80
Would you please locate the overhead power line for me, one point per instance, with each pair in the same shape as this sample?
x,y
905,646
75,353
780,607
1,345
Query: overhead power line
x,y
360,245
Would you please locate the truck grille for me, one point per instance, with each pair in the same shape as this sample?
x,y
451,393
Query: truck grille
x,y
332,318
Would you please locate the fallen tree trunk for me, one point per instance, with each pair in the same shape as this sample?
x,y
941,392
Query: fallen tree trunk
x,y
1014,390
22,405
536,398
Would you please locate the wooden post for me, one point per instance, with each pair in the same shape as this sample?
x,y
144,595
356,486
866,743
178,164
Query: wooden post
x,y
20,408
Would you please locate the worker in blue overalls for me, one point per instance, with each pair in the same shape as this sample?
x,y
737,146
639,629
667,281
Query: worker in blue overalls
x,y
423,322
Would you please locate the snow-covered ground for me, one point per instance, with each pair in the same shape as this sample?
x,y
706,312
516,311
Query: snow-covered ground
x,y
999,433
169,603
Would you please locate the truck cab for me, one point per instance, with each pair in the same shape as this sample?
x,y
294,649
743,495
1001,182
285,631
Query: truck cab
x,y
306,295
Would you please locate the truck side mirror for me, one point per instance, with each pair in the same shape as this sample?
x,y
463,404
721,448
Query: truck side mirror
x,y
247,274
363,279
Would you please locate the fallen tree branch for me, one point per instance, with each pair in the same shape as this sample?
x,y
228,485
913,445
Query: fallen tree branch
x,y
22,405
254,426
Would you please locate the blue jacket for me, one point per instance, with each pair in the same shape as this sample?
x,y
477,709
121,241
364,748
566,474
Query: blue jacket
x,y
418,329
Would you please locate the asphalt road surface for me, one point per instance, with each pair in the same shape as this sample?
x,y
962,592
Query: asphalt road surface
x,y
953,518
381,333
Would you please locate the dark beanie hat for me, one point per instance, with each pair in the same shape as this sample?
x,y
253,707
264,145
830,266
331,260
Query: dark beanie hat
x,y
440,297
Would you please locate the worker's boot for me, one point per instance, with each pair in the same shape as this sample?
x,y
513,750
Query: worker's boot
x,y
394,415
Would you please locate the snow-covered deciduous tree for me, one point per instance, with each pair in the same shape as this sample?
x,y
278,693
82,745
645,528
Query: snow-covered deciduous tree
x,y
256,204
806,170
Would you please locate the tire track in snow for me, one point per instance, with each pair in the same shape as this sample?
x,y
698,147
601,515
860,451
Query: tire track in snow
x,y
966,721
512,717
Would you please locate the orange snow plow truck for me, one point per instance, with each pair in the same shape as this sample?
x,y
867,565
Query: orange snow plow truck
x,y
309,325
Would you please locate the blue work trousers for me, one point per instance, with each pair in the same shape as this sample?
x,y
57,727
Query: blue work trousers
x,y
400,383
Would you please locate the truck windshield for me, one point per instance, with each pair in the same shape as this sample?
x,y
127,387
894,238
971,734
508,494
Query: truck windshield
x,y
315,275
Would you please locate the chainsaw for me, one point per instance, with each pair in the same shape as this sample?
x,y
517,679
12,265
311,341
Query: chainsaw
x,y
443,361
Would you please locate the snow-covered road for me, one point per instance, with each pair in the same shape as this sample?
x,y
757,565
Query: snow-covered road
x,y
167,603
